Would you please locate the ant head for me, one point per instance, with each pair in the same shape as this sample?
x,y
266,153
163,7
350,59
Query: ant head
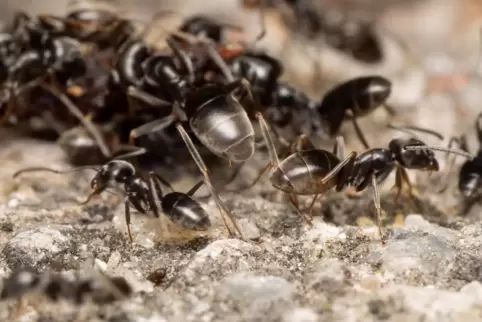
x,y
113,172
421,157
377,89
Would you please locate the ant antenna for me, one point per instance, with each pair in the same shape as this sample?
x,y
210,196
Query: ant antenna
x,y
434,148
37,169
409,128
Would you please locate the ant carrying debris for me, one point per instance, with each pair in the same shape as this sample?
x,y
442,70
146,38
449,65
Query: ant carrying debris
x,y
100,289
144,195
311,171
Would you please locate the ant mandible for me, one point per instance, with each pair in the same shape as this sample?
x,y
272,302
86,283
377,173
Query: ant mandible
x,y
144,195
311,171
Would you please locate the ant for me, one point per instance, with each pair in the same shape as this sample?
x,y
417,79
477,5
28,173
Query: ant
x,y
470,174
143,195
352,99
101,290
312,171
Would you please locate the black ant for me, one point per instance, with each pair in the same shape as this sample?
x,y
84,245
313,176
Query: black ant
x,y
143,195
311,171
352,99
101,290
470,174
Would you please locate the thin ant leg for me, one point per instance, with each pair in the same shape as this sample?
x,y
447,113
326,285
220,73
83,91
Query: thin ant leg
x,y
378,207
219,61
359,133
94,193
196,187
150,99
127,212
74,110
398,184
152,127
204,170
186,61
162,180
347,162
137,151
339,148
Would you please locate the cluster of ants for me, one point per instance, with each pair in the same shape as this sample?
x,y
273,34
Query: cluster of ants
x,y
92,67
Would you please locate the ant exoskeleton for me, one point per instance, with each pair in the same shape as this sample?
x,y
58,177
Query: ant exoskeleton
x,y
143,195
311,171
100,289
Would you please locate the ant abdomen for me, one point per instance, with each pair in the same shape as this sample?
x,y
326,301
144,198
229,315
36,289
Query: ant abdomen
x,y
224,126
292,173
185,212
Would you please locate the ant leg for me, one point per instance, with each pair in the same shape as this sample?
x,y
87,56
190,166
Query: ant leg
x,y
294,202
151,127
398,184
162,180
378,207
359,133
94,193
310,209
204,170
339,148
345,163
74,110
406,180
136,152
186,61
134,92
196,187
127,212
219,61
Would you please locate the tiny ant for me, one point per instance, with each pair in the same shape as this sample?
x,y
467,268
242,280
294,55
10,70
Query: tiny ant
x,y
143,195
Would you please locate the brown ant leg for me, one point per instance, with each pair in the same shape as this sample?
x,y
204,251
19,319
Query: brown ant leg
x,y
406,180
204,170
310,209
294,202
378,207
